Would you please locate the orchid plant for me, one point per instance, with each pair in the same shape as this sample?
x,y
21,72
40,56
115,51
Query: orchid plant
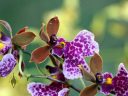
x,y
68,58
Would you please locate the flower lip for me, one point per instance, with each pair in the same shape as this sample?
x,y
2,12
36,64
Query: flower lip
x,y
99,78
7,64
107,84
58,49
5,38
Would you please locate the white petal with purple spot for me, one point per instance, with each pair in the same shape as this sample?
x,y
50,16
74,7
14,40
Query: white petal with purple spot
x,y
63,92
122,70
85,39
40,89
120,81
7,64
71,69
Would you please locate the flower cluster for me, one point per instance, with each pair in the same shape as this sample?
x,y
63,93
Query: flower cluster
x,y
8,60
9,52
68,58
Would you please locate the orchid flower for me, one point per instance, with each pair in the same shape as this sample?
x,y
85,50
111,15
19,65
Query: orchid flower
x,y
74,53
41,53
101,81
8,48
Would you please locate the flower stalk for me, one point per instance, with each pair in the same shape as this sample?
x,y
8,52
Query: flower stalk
x,y
20,63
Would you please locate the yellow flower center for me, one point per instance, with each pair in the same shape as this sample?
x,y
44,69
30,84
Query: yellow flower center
x,y
1,46
54,76
61,45
109,81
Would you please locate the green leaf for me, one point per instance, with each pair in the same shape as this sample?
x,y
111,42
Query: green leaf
x,y
96,64
40,54
86,75
23,39
53,26
43,35
89,91
6,25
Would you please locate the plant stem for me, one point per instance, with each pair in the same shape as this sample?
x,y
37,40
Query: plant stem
x,y
53,60
52,79
47,77
20,62
11,34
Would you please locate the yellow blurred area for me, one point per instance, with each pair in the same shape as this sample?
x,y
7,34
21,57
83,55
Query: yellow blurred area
x,y
6,89
68,16
113,17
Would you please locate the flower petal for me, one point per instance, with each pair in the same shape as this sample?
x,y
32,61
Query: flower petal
x,y
40,89
5,44
89,91
89,76
40,54
23,38
7,65
43,35
22,30
85,39
6,25
63,92
122,70
71,69
5,39
5,48
96,64
120,81
73,58
106,88
53,26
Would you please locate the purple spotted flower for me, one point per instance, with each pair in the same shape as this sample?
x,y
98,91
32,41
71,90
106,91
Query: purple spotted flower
x,y
40,89
53,89
9,54
120,81
7,60
101,81
74,52
7,64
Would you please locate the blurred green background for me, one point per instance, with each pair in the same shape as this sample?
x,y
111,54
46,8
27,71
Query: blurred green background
x,y
107,19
